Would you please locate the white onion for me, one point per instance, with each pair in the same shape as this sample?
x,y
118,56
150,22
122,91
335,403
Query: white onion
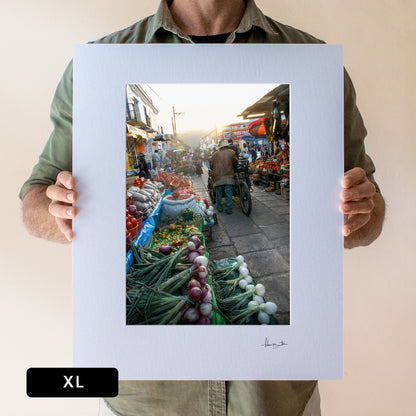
x,y
260,289
244,265
191,246
243,271
258,299
252,303
211,208
242,283
263,318
269,307
240,260
249,288
249,279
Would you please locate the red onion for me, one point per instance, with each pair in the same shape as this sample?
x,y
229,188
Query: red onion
x,y
203,280
193,283
195,293
165,250
203,320
191,315
201,261
192,256
201,250
205,309
201,271
132,209
206,297
205,289
196,241
191,246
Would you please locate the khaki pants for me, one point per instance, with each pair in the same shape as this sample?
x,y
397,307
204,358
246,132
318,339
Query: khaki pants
x,y
313,408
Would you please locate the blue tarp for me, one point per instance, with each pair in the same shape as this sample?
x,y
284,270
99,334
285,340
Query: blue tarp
x,y
147,229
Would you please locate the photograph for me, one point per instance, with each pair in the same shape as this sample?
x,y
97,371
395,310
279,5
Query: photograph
x,y
210,219
207,204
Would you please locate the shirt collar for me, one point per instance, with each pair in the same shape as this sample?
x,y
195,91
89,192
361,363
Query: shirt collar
x,y
163,20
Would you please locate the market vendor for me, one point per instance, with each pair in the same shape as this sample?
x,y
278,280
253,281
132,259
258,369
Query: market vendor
x,y
223,164
50,191
144,168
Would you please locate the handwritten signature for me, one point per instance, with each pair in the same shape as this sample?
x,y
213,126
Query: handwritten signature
x,y
267,343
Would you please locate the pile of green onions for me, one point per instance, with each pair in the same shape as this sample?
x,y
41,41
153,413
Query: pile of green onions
x,y
169,287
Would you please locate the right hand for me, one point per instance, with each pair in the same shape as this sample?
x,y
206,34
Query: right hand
x,y
63,196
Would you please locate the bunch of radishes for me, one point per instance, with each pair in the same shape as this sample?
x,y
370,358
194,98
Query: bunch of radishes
x,y
198,291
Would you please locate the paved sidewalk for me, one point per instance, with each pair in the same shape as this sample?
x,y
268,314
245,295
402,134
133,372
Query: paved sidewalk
x,y
263,238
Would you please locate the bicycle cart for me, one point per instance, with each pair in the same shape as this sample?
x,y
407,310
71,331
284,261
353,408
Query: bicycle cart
x,y
241,187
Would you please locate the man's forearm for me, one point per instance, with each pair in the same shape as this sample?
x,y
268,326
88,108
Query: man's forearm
x,y
370,231
36,217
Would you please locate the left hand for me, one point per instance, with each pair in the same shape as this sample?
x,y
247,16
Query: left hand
x,y
357,197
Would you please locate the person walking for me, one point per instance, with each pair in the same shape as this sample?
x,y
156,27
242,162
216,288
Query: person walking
x,y
156,160
253,153
223,164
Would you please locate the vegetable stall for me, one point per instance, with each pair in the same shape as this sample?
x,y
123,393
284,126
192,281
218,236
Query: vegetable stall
x,y
273,172
170,278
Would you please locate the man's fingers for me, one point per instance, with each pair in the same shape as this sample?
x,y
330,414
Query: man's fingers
x,y
58,193
65,179
364,190
353,177
364,206
354,223
66,227
60,210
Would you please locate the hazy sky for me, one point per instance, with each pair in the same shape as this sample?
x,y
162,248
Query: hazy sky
x,y
205,106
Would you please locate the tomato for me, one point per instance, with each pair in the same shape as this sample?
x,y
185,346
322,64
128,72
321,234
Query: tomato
x,y
129,225
134,222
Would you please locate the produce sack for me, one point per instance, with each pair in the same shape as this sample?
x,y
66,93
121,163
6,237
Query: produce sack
x,y
174,208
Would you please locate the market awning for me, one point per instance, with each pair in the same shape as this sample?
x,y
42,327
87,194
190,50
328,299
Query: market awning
x,y
249,138
141,125
258,127
265,104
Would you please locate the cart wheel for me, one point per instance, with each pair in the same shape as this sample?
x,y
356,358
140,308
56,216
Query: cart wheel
x,y
211,191
245,198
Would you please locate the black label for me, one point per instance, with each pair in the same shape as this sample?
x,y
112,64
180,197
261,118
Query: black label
x,y
72,382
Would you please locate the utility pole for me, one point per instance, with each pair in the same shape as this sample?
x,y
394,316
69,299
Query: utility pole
x,y
174,122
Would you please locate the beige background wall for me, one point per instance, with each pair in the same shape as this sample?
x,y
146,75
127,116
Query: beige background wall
x,y
378,39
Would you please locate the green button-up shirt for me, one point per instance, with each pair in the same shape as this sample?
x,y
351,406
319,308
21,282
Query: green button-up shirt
x,y
242,398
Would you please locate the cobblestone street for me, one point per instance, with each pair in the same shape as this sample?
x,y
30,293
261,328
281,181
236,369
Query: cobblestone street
x,y
263,238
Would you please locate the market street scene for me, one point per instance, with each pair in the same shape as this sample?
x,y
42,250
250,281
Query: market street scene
x,y
207,204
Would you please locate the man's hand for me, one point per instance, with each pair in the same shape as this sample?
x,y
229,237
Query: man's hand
x,y
363,208
62,197
48,210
